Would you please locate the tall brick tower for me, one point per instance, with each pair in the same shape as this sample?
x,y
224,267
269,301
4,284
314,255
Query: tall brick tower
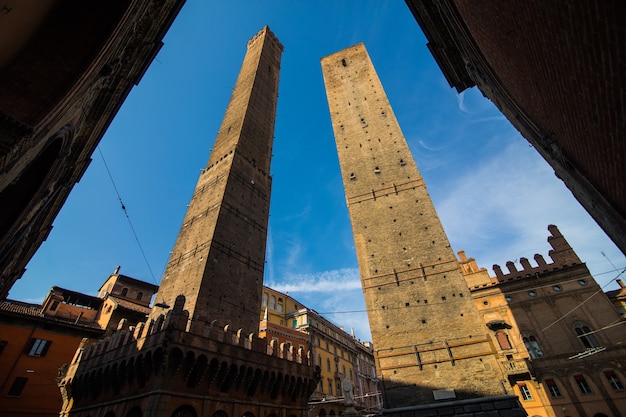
x,y
218,259
199,353
430,342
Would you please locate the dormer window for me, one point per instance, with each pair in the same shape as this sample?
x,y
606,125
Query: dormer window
x,y
124,292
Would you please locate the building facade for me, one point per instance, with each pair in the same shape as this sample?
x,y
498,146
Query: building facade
x,y
36,340
66,66
199,353
556,72
406,264
558,337
618,298
338,354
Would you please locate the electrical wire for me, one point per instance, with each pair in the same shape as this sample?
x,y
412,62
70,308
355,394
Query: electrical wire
x,y
130,223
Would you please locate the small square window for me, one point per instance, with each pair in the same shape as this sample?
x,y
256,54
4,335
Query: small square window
x,y
525,391
614,380
18,386
38,347
553,388
582,384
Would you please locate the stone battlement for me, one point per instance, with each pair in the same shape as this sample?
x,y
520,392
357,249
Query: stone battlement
x,y
562,256
172,327
203,357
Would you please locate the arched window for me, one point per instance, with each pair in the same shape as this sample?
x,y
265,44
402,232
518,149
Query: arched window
x,y
582,384
586,336
532,346
220,413
264,302
247,414
139,295
322,412
124,292
614,380
503,340
273,302
185,411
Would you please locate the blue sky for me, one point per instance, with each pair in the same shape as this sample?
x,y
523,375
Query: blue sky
x,y
494,194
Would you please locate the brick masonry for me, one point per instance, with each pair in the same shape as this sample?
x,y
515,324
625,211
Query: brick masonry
x,y
428,335
219,255
556,71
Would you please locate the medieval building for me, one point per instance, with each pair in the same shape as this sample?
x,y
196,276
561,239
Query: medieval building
x,y
66,66
559,339
407,266
556,71
37,339
198,354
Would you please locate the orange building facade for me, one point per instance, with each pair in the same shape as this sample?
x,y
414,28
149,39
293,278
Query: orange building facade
x,y
559,339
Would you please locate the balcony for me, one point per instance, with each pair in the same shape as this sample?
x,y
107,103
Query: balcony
x,y
517,369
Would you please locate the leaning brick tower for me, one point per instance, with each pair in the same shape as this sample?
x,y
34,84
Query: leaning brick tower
x,y
199,354
218,258
430,342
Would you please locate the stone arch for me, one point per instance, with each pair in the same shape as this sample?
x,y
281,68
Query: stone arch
x,y
222,374
122,374
174,359
140,371
147,364
248,378
188,362
185,411
298,389
277,386
197,371
265,381
322,412
130,371
230,378
106,378
331,413
255,382
240,377
212,372
157,360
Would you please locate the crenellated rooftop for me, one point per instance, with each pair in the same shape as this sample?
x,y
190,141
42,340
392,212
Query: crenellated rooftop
x,y
101,369
561,254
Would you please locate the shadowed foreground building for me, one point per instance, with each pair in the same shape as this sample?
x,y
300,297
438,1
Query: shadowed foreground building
x,y
66,67
199,353
442,353
556,71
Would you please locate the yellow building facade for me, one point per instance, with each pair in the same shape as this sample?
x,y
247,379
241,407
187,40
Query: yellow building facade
x,y
338,354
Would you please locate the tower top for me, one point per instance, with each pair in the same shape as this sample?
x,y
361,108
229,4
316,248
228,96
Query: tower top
x,y
218,260
266,33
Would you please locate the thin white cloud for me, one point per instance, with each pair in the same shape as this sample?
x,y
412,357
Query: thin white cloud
x,y
460,99
323,282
